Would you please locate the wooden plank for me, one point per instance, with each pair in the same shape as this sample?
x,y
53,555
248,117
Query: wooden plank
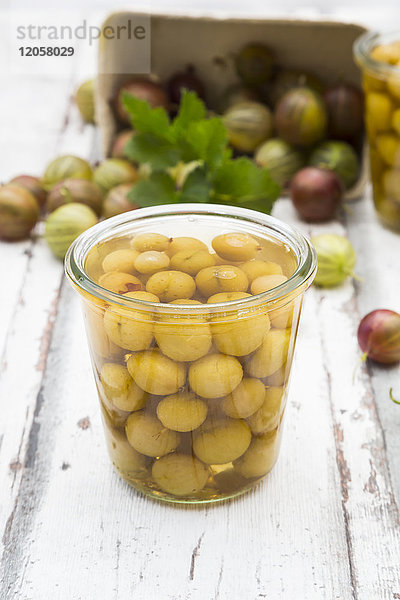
x,y
246,547
33,154
34,279
22,367
14,260
258,569
369,501
61,131
289,538
378,260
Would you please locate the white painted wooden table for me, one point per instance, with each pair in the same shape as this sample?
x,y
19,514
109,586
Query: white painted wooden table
x,y
324,525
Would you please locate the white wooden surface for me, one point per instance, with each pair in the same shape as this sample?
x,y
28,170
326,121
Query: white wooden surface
x,y
324,525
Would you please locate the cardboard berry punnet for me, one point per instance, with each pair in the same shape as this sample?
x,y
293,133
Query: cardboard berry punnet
x,y
323,48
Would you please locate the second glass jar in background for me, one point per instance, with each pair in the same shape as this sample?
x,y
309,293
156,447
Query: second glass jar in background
x,y
379,58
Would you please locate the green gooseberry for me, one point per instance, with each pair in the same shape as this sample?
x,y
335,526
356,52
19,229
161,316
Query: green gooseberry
x,y
65,224
336,259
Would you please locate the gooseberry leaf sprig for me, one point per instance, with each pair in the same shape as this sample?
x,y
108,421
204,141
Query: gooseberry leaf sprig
x,y
196,141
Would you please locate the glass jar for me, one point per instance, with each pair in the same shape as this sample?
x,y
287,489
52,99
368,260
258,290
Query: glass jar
x,y
192,388
378,55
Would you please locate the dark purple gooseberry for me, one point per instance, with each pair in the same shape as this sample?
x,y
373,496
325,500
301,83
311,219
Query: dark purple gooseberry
x,y
316,194
379,336
144,89
118,147
345,106
186,79
32,184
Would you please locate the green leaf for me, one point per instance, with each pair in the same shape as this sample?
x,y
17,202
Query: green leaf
x,y
241,182
208,140
146,119
149,148
197,187
190,137
158,189
191,109
228,153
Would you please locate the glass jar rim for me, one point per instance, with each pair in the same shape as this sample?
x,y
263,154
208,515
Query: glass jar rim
x,y
298,281
362,52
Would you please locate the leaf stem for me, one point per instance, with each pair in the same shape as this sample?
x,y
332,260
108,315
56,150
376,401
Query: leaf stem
x,y
393,399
